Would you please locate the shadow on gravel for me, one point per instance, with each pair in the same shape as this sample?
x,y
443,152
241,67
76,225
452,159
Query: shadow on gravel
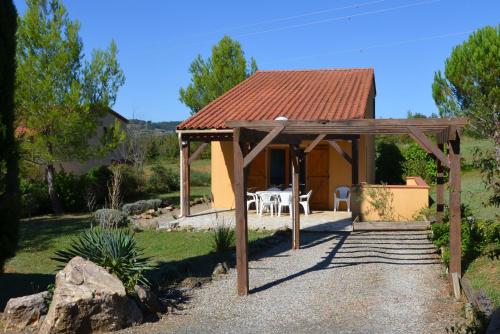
x,y
345,245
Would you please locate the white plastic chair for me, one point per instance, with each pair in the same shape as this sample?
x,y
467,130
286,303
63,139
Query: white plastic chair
x,y
252,198
304,201
285,201
344,195
266,200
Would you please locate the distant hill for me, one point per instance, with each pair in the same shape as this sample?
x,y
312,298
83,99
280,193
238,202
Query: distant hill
x,y
153,127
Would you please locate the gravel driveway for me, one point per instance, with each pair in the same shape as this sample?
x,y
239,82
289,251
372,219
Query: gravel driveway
x,y
362,282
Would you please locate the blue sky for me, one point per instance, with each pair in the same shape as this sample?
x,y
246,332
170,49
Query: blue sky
x,y
405,41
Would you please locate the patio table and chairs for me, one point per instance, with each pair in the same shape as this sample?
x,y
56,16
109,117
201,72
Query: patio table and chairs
x,y
276,200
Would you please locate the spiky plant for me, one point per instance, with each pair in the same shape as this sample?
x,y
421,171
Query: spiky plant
x,y
223,237
115,250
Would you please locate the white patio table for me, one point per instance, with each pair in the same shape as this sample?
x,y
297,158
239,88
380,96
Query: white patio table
x,y
275,193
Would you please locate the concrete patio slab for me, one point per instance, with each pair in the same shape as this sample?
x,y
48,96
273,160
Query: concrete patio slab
x,y
317,221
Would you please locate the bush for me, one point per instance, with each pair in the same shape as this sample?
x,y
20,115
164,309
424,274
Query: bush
x,y
477,236
110,218
418,163
98,180
141,206
34,197
199,179
162,180
115,250
223,238
70,189
133,183
389,164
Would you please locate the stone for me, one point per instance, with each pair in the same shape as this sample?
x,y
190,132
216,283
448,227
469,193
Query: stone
x,y
89,299
145,224
23,312
150,211
220,269
148,300
193,282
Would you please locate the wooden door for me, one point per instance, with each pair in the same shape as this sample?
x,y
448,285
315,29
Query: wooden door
x,y
257,172
318,177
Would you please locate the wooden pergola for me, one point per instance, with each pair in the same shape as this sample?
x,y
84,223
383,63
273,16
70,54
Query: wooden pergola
x,y
252,137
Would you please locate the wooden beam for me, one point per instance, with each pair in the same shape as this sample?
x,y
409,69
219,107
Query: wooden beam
x,y
340,151
185,176
315,142
262,144
454,209
197,153
427,145
355,161
439,188
295,155
240,216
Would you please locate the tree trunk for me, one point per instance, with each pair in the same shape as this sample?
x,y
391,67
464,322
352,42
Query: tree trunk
x,y
54,198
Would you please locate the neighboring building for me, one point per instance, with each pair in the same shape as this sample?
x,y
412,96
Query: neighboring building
x,y
107,121
80,167
331,94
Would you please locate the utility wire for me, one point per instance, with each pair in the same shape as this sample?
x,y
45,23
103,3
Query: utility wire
x,y
339,18
375,46
288,18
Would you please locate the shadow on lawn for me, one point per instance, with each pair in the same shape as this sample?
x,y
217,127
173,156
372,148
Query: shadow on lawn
x,y
39,233
17,285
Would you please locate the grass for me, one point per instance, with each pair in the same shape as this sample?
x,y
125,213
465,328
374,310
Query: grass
x,y
31,270
484,273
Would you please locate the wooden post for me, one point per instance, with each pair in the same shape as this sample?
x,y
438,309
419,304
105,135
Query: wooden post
x,y
455,218
185,173
295,155
240,216
354,159
439,188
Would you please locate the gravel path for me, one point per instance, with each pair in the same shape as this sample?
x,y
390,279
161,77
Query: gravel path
x,y
363,282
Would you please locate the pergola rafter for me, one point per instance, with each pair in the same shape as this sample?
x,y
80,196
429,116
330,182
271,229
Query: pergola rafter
x,y
294,132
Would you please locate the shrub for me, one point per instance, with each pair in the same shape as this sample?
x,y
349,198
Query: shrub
x,y
115,250
199,179
389,164
34,197
418,163
141,206
477,236
162,180
98,180
223,238
133,183
110,218
69,188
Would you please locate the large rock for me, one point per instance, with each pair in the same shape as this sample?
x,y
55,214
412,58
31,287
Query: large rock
x,y
148,300
88,299
23,312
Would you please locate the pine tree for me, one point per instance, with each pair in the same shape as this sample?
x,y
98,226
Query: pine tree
x,y
211,78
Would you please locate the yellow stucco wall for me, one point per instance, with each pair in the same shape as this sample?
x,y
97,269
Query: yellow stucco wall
x,y
222,175
402,202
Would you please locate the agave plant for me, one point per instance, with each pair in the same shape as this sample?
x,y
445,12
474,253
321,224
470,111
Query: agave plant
x,y
115,250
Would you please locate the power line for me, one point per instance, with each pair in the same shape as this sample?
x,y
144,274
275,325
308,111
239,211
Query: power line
x,y
375,46
288,18
339,18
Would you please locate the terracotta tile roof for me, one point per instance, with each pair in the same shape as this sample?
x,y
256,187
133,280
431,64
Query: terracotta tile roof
x,y
331,94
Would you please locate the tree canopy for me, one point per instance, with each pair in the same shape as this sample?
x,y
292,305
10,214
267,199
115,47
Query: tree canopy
x,y
217,74
60,95
470,87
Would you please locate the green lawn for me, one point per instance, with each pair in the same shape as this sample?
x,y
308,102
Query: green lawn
x,y
32,269
484,273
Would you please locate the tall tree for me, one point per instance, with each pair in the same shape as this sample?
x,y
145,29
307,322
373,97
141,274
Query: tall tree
x,y
470,87
60,96
9,182
217,74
